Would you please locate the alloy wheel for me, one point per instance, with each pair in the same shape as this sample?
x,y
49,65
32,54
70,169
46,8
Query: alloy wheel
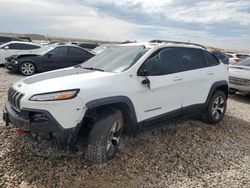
x,y
114,137
28,68
218,107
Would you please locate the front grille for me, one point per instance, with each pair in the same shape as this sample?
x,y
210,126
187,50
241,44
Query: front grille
x,y
239,81
14,98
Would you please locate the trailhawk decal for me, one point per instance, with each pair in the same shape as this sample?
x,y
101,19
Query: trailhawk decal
x,y
56,74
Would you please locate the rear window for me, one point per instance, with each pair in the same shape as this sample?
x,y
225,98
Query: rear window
x,y
242,56
211,59
19,46
76,52
229,56
191,59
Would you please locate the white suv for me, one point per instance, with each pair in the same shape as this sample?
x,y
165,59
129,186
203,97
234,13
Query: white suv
x,y
122,89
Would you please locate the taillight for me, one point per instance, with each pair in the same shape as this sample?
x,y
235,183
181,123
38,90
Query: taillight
x,y
237,59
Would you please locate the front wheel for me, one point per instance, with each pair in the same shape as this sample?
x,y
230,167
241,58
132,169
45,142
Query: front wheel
x,y
104,136
216,108
27,68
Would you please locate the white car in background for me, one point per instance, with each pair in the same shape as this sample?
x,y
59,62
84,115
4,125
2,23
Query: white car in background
x,y
16,47
235,58
239,77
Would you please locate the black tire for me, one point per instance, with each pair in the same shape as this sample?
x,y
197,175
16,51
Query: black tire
x,y
216,108
27,68
101,147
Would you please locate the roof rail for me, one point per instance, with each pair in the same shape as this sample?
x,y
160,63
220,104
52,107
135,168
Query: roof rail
x,y
176,42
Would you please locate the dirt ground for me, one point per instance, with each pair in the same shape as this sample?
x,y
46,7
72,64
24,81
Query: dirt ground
x,y
180,153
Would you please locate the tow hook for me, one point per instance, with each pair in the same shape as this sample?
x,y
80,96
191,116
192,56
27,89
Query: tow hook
x,y
20,133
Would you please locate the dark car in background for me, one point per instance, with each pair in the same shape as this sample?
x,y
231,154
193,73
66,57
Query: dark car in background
x,y
4,39
46,59
221,56
88,45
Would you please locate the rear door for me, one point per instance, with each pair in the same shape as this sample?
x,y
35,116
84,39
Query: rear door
x,y
56,59
77,56
196,77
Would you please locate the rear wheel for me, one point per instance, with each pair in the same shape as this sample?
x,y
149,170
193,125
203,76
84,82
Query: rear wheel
x,y
104,136
27,68
216,108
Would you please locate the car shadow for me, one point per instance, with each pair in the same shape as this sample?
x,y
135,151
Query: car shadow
x,y
241,98
190,148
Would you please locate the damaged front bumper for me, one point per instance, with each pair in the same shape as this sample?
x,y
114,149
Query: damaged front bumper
x,y
41,123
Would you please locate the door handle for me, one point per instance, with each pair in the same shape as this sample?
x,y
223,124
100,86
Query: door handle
x,y
210,73
177,79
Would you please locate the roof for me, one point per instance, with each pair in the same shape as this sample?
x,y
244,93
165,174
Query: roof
x,y
177,42
20,42
164,44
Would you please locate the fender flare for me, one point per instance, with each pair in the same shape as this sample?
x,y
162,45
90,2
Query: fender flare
x,y
115,100
212,90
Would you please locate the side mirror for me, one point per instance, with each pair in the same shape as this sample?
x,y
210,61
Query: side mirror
x,y
49,55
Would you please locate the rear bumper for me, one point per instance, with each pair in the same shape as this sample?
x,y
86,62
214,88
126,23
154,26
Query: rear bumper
x,y
41,124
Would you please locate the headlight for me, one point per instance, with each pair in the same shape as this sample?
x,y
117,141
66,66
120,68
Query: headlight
x,y
55,96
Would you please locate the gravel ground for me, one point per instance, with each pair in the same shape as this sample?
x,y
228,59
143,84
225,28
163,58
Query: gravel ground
x,y
182,153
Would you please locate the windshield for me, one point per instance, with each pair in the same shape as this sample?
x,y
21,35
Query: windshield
x,y
99,49
245,62
116,59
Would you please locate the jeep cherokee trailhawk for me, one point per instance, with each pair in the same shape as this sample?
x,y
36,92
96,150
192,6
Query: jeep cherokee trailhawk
x,y
121,89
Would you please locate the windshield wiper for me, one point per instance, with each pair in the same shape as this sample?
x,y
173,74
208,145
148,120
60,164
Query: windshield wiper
x,y
92,68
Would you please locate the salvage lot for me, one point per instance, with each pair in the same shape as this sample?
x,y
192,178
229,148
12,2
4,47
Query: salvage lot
x,y
181,153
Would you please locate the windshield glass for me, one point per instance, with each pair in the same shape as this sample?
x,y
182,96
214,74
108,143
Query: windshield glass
x,y
116,59
245,62
99,49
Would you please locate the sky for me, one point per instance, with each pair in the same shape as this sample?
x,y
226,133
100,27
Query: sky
x,y
218,23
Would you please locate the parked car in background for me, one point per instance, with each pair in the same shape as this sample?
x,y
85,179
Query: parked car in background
x,y
221,56
46,59
5,39
89,46
232,58
16,47
235,58
239,77
101,48
242,56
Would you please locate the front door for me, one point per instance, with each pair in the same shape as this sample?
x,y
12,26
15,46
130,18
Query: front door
x,y
160,91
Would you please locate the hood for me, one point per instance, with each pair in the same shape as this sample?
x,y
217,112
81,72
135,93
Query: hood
x,y
73,71
239,72
69,78
16,56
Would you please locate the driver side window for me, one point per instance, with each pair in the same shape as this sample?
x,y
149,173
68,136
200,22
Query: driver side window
x,y
162,62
